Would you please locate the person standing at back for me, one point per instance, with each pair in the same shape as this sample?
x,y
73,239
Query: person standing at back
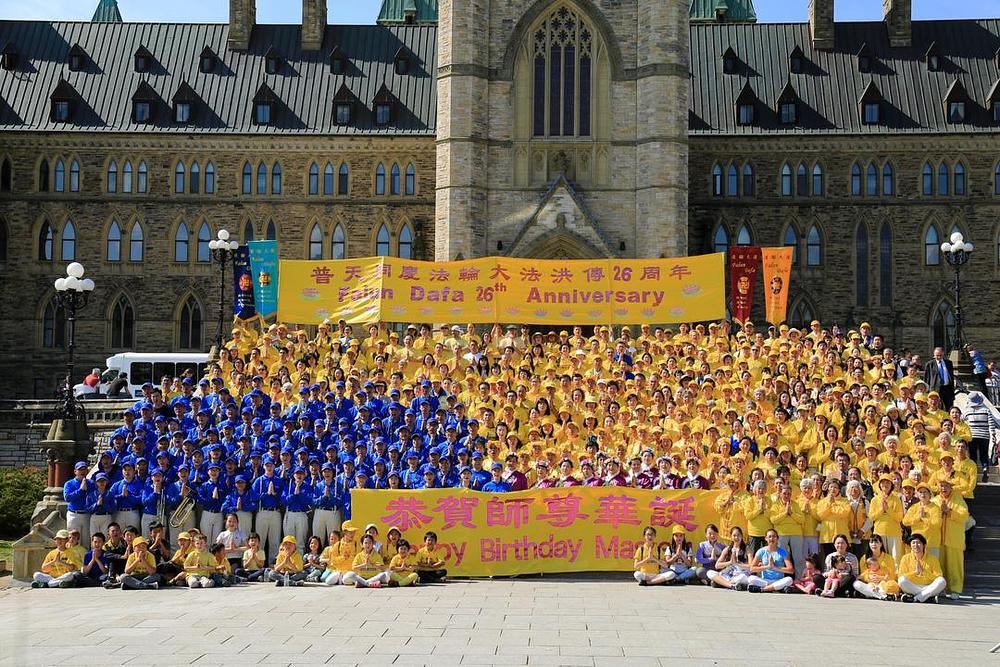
x,y
939,374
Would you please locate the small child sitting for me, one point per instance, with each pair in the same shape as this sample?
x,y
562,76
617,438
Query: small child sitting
x,y
833,576
813,567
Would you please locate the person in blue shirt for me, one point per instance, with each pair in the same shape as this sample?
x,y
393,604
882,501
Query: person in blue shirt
x,y
157,491
128,496
770,569
211,495
164,465
96,565
269,490
480,476
412,477
447,475
273,423
75,495
430,480
100,504
241,501
298,501
327,512
496,483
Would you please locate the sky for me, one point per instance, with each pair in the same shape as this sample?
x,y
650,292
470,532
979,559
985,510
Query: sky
x,y
365,11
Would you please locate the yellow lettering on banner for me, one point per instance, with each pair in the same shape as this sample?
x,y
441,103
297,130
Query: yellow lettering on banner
x,y
503,289
571,529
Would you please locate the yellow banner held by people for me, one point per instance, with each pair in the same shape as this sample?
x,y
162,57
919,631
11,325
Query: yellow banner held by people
x,y
572,529
502,289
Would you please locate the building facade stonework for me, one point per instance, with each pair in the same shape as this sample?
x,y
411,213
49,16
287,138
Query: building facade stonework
x,y
463,128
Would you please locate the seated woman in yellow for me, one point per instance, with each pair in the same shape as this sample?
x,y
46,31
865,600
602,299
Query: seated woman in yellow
x,y
650,567
920,575
878,573
368,569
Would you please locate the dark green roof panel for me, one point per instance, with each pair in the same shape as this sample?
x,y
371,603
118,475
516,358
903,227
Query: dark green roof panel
x,y
735,11
107,12
396,11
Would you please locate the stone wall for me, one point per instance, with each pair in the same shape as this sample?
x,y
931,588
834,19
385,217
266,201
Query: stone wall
x,y
23,424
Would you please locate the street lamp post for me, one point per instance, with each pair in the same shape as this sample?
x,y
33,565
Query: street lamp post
x,y
957,254
72,294
223,251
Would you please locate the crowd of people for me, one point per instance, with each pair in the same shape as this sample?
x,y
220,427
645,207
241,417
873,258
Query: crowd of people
x,y
845,466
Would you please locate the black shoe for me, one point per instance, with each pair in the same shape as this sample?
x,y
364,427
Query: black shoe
x,y
644,583
906,597
754,589
741,587
279,583
891,598
38,584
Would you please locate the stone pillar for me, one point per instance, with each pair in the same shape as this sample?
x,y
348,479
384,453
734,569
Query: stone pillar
x,y
662,90
68,441
821,23
898,21
242,18
313,24
462,129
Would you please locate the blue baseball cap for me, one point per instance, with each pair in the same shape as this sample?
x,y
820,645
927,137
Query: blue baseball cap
x,y
80,465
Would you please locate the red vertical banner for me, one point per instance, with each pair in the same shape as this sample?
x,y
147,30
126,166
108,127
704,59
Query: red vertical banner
x,y
777,274
744,262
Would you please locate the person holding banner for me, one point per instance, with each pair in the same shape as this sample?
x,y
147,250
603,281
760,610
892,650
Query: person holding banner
x,y
651,569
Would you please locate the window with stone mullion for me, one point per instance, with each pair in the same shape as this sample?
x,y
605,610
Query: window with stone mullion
x,y
562,76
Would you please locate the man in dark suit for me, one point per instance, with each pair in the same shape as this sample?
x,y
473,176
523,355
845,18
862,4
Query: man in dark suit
x,y
939,375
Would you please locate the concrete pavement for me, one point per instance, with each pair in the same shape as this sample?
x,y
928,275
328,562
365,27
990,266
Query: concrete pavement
x,y
536,621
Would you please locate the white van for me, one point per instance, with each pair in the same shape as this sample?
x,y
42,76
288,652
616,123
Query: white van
x,y
141,368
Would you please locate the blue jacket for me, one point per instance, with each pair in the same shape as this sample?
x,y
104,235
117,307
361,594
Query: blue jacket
x,y
133,501
151,500
76,499
301,501
108,504
248,497
322,501
205,499
265,500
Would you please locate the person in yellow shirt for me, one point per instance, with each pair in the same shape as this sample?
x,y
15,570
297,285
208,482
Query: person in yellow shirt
x,y
140,568
60,567
757,509
878,575
920,576
729,505
834,514
340,554
403,566
924,517
807,502
200,564
288,565
886,513
650,567
787,518
954,514
430,564
368,568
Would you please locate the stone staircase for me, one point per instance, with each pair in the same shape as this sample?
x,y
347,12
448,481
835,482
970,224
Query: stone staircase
x,y
982,563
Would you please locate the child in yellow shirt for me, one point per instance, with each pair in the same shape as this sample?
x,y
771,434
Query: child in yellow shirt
x,y
368,568
288,566
200,564
430,566
403,566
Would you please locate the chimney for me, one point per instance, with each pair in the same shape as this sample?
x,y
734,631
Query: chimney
x,y
242,18
821,23
313,24
898,21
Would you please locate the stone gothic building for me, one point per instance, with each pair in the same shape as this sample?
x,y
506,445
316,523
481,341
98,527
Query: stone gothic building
x,y
462,128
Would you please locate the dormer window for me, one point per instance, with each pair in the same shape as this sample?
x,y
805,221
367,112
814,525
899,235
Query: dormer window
x,y
182,113
383,112
865,59
183,101
796,61
996,111
8,58
61,110
956,112
143,103
77,58
264,103
141,111
338,61
142,60
206,61
872,113
272,61
933,58
729,61
745,114
342,113
789,112
401,61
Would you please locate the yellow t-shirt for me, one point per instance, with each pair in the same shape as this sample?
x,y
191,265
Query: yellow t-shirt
x,y
291,564
930,571
145,568
641,553
403,565
201,563
368,565
59,563
425,558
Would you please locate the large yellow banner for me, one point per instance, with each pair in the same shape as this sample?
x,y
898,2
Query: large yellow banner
x,y
571,529
501,289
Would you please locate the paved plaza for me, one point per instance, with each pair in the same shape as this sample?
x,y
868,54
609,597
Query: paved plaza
x,y
550,621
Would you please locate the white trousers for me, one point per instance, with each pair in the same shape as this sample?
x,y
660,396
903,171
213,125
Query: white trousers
x,y
325,521
199,582
351,578
297,524
779,585
53,582
211,525
99,524
735,581
246,521
920,592
893,546
868,590
79,521
126,518
269,529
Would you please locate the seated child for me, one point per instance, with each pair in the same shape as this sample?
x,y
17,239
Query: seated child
x,y
288,564
368,569
313,569
223,574
140,568
60,566
95,564
833,576
254,561
812,568
430,566
199,565
173,569
403,566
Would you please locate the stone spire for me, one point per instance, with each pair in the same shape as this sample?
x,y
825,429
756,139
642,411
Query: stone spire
x,y
107,12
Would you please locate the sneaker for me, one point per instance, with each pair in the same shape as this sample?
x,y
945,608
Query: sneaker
x,y
393,583
154,586
65,584
754,589
906,597
890,598
741,587
644,583
375,584
38,584
279,583
357,584
953,596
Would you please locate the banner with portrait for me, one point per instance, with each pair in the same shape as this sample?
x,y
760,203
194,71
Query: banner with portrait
x,y
572,529
264,271
777,263
743,264
243,299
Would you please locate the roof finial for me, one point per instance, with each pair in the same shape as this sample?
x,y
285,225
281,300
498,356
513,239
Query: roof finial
x,y
107,12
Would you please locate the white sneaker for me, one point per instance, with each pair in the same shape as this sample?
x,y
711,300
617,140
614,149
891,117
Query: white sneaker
x,y
154,586
953,596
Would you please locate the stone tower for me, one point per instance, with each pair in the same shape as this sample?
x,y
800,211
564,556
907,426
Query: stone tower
x,y
562,128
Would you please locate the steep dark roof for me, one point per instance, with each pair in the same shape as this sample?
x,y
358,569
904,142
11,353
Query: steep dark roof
x,y
395,11
830,84
732,10
305,85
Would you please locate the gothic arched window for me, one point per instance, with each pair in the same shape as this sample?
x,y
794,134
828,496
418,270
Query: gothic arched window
x,y
861,275
561,76
338,244
122,323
